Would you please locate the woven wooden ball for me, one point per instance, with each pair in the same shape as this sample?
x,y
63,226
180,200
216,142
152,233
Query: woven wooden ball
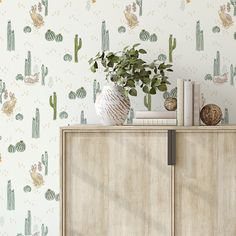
x,y
170,104
211,114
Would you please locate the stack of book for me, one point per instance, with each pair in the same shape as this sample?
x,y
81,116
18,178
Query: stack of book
x,y
155,118
188,103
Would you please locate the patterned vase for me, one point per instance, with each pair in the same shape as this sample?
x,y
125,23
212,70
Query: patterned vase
x,y
112,106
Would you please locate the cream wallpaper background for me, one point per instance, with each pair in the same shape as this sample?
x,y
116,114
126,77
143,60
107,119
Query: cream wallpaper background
x,y
37,61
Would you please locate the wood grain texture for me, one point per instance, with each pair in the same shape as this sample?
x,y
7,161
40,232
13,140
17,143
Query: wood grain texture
x,y
205,184
116,184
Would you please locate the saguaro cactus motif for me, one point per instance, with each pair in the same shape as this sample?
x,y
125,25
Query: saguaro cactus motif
x,y
105,37
77,47
36,124
45,3
83,120
2,89
28,224
148,101
172,46
53,104
44,230
130,116
10,37
44,160
10,197
216,71
199,37
44,73
140,5
232,74
233,2
28,64
96,89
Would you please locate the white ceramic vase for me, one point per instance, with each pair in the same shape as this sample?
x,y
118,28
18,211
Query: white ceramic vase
x,y
112,106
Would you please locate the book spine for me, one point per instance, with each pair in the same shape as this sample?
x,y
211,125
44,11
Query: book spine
x,y
188,103
154,122
180,102
196,104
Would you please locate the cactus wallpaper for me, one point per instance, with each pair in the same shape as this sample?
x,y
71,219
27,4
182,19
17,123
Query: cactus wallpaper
x,y
45,82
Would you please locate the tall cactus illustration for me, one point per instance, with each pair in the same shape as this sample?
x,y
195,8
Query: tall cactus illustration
x,y
36,124
148,101
2,89
226,116
83,120
10,197
10,37
105,37
233,2
28,224
77,46
44,230
130,116
44,160
96,89
44,73
45,3
232,74
199,37
140,4
28,64
216,70
53,104
172,46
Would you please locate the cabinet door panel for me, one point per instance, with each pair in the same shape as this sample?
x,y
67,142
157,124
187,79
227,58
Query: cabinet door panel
x,y
117,184
205,184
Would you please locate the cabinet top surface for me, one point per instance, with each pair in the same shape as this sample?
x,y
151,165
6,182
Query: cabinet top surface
x,y
85,128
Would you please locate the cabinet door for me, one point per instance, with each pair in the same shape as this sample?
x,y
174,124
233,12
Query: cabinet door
x,y
205,184
116,184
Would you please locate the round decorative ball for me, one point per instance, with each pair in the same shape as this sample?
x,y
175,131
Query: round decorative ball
x,y
211,114
170,104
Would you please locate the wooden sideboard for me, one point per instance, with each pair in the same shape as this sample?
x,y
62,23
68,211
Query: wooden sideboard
x,y
119,181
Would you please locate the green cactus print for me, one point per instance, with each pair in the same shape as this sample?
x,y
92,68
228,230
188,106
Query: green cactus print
x,y
199,37
216,71
44,73
50,195
232,74
50,35
11,149
83,120
216,29
27,189
162,57
121,29
27,29
10,37
20,77
44,230
10,197
105,37
45,3
67,57
72,95
44,160
148,102
172,47
20,146
36,124
63,115
28,64
59,38
28,224
81,93
2,90
153,38
144,35
77,47
19,117
53,104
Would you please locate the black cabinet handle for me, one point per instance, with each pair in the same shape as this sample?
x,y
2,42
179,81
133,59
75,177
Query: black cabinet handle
x,y
171,147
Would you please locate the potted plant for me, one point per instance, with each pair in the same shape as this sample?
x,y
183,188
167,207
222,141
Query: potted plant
x,y
127,70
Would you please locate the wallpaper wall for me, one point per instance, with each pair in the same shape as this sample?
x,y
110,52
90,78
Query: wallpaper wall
x,y
45,81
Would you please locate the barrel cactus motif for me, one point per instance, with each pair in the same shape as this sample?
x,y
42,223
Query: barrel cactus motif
x,y
27,189
81,92
216,29
162,57
72,95
63,115
59,38
57,197
19,116
144,35
50,195
19,77
67,57
11,149
50,35
153,38
27,29
20,146
121,29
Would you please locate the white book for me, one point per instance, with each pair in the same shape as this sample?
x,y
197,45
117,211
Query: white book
x,y
154,121
180,102
188,103
196,104
155,115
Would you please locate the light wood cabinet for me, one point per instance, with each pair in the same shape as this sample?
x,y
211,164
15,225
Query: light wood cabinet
x,y
116,181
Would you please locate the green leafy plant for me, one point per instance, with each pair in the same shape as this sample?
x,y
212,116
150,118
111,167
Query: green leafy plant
x,y
127,69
